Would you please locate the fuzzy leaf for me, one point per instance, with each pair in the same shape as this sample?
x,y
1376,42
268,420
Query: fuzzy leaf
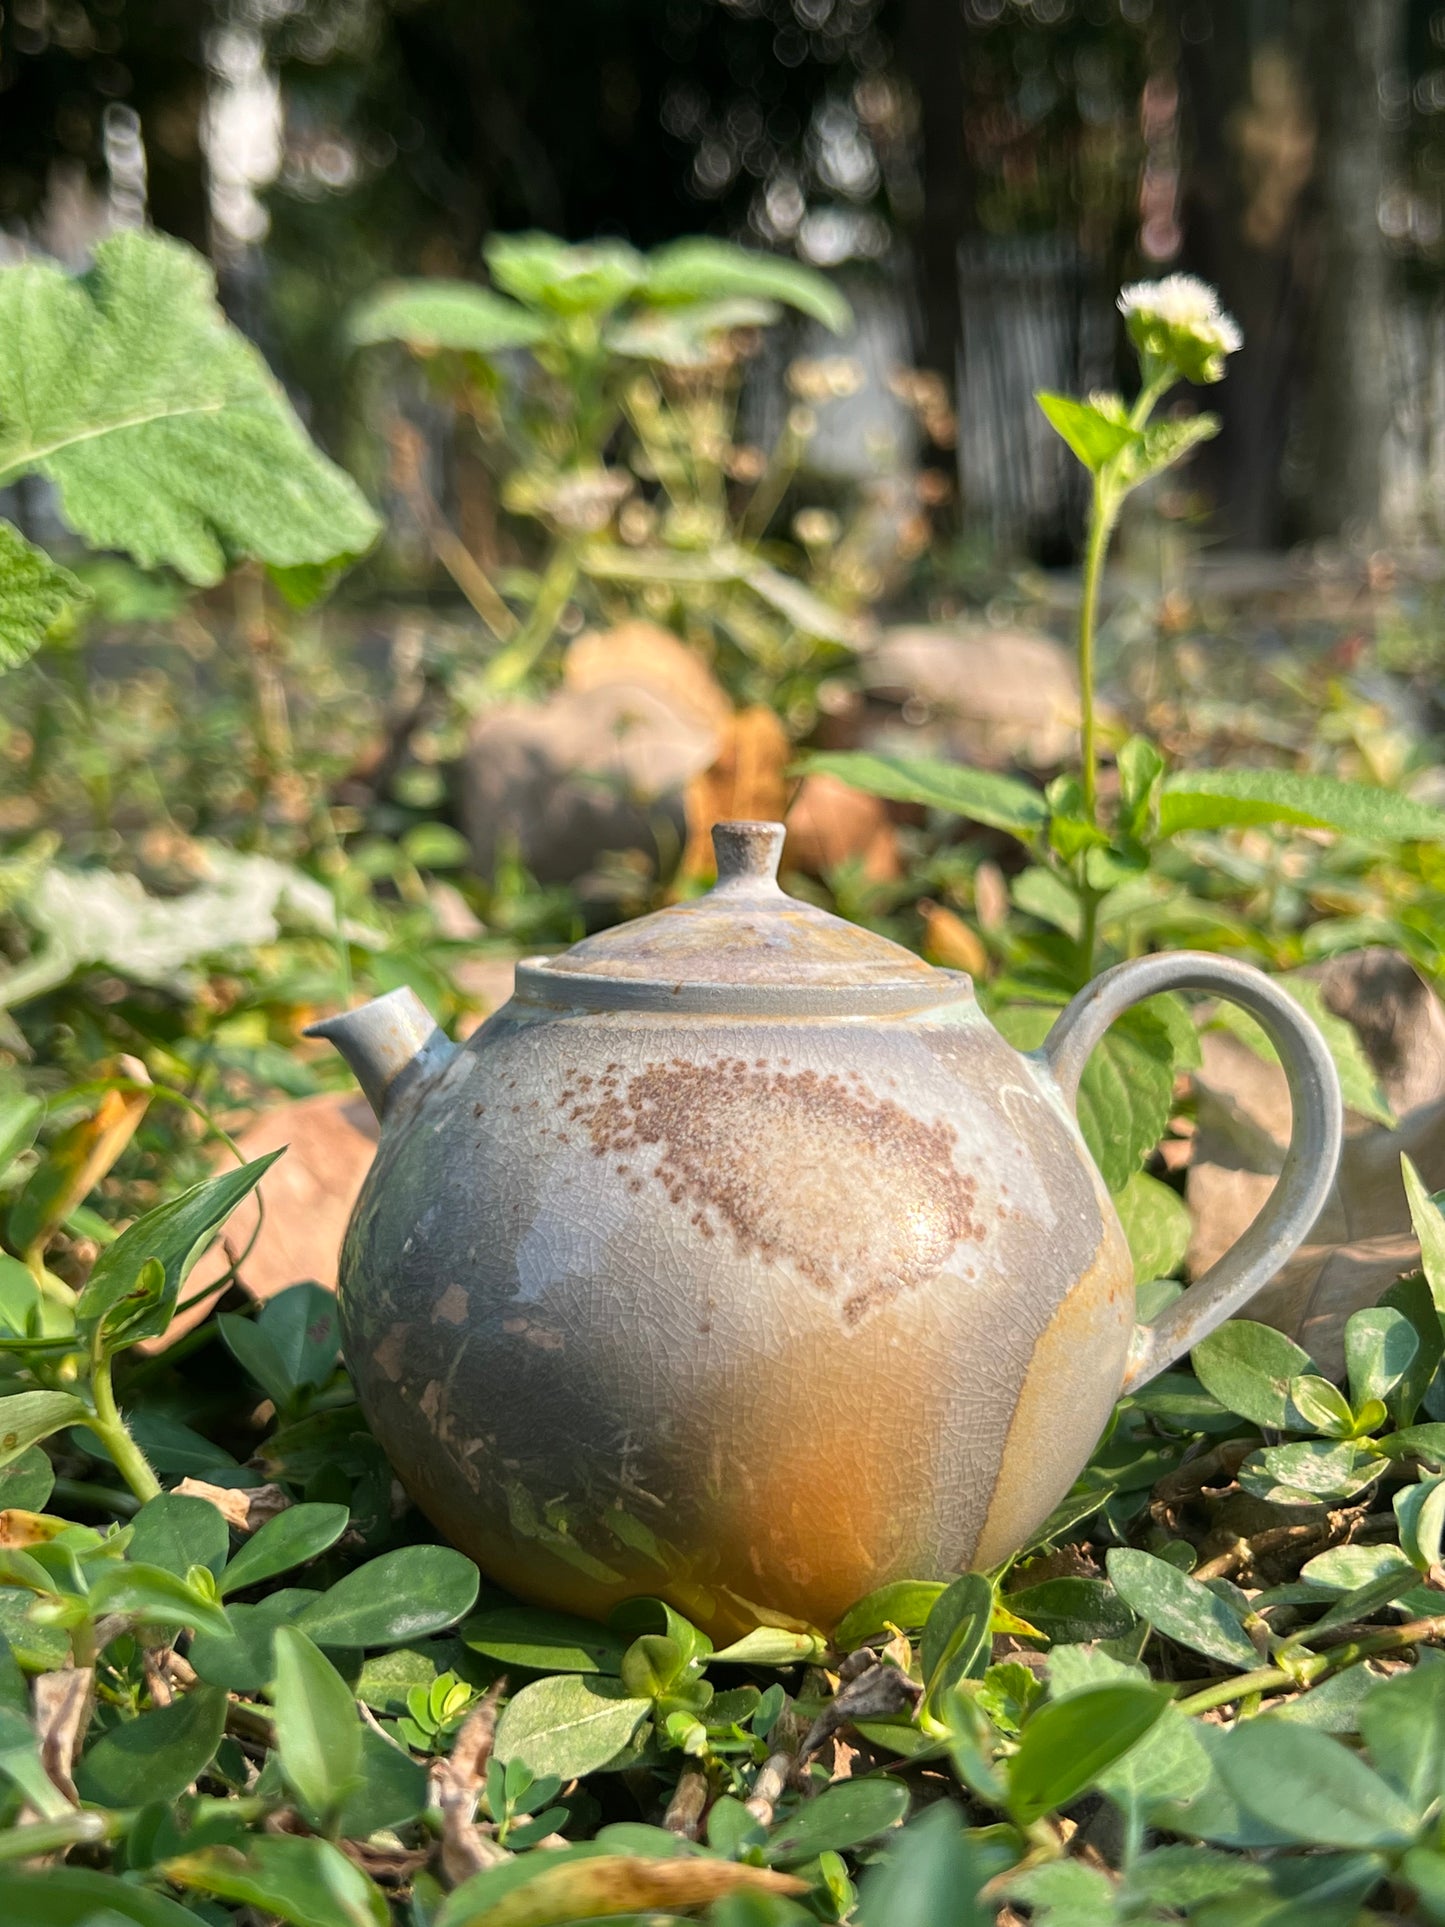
x,y
1002,802
704,270
428,315
1093,434
1157,1224
159,423
1311,1787
1208,799
34,593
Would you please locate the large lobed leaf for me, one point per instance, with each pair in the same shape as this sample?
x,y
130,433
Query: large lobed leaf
x,y
158,422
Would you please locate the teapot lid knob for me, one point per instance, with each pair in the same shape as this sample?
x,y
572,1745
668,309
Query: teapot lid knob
x,y
748,853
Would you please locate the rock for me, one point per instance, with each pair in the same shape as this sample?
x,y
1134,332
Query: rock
x,y
831,823
985,696
746,781
308,1196
1363,1239
601,765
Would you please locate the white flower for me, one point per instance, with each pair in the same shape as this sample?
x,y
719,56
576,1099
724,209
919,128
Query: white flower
x,y
1184,304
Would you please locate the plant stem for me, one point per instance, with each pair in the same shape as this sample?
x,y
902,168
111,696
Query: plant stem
x,y
514,663
110,1428
1101,525
1312,1667
103,1498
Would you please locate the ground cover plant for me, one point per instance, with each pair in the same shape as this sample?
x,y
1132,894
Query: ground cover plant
x,y
240,1681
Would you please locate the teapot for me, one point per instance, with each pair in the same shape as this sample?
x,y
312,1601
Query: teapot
x,y
738,1259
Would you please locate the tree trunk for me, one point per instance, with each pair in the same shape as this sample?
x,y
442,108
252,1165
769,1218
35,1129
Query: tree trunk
x,y
1353,44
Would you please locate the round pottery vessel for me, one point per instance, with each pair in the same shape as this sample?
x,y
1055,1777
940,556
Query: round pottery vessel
x,y
738,1260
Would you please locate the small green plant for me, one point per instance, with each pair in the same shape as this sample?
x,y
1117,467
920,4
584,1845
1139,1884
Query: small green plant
x,y
601,387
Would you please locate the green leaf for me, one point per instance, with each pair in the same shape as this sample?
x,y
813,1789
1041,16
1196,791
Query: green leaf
x,y
1311,1787
1070,1610
289,1539
568,1724
1380,1347
157,1755
1162,444
700,269
1002,802
1066,1893
1314,1472
1157,1224
840,1817
1248,1368
318,1730
428,315
905,1604
772,1646
1425,1442
79,1897
546,1642
306,1882
1095,436
158,422
548,273
34,594
1420,1510
1179,1607
1068,1743
391,1791
1126,1091
931,1876
1429,1222
1322,1406
176,1531
1359,1085
28,1417
243,1659
1424,1868
957,1640
151,1592
393,1599
1411,1297
1402,1722
291,1346
175,1235
1208,799
27,1481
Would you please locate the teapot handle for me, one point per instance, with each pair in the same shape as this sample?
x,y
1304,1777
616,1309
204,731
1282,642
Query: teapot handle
x,y
1314,1147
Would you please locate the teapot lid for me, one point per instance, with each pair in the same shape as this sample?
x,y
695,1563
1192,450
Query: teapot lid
x,y
744,946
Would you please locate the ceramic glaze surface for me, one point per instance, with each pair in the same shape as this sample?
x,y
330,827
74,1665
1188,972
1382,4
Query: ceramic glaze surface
x,y
739,1260
738,1313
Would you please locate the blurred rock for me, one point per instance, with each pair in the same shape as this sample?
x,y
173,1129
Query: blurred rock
x,y
486,982
601,765
980,695
1363,1240
308,1197
831,823
746,781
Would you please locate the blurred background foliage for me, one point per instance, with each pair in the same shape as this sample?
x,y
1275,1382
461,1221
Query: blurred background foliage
x,y
981,174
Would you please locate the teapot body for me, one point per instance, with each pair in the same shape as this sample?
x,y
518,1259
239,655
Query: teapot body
x,y
755,1314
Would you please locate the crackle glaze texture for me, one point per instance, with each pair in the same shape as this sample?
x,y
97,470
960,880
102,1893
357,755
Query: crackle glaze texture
x,y
754,1313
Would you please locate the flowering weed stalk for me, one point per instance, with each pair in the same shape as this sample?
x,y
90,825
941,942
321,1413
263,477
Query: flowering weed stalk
x,y
1180,333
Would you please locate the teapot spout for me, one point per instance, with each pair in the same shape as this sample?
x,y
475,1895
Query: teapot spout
x,y
388,1042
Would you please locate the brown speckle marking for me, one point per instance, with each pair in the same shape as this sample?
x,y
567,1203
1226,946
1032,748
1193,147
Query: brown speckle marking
x,y
850,1190
389,1354
451,1307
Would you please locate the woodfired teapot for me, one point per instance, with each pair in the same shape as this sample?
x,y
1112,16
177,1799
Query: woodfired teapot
x,y
739,1260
